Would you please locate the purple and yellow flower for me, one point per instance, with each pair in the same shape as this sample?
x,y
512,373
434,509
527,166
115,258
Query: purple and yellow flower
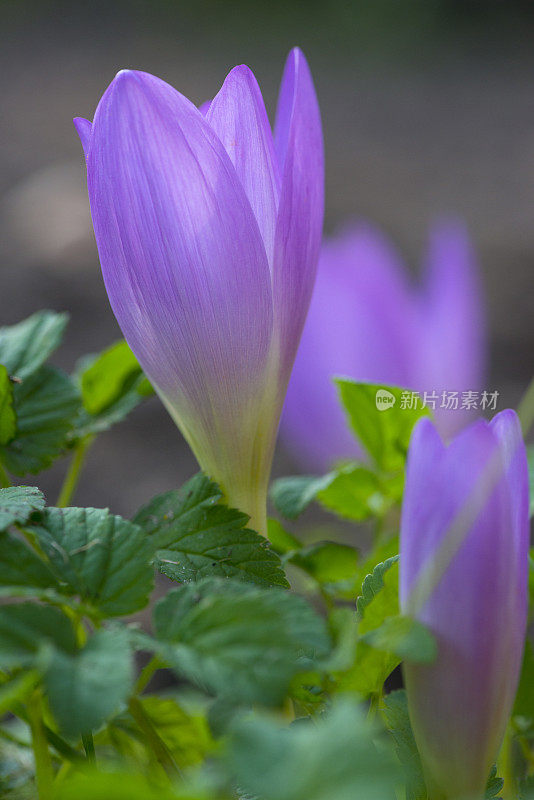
x,y
208,228
369,322
463,574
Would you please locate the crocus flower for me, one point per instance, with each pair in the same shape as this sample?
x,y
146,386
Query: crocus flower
x,y
208,229
463,574
369,322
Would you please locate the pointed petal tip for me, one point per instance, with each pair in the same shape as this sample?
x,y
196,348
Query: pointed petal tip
x,y
506,425
83,129
131,78
241,69
242,73
426,431
125,75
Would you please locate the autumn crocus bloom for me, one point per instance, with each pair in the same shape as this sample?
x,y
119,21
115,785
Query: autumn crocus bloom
x,y
208,230
463,573
369,322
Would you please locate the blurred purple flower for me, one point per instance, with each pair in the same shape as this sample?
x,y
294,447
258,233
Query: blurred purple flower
x,y
208,229
463,573
367,321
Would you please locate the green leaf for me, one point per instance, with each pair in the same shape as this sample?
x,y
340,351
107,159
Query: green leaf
x,y
352,491
85,689
26,346
103,381
112,385
398,722
331,757
194,537
403,637
327,562
372,586
384,432
100,557
26,627
8,418
46,404
378,602
530,458
494,785
21,566
18,503
186,735
292,495
355,493
282,541
92,785
239,641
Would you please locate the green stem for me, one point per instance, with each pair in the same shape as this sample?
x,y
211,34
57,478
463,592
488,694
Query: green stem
x,y
506,766
89,747
5,482
525,410
74,471
146,674
157,745
61,746
44,773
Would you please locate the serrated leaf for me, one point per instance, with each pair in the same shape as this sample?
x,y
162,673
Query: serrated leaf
x,y
86,688
405,638
291,496
112,385
26,627
25,347
46,405
100,557
327,562
384,431
494,785
373,585
398,722
195,537
331,757
18,503
239,641
8,419
377,602
21,566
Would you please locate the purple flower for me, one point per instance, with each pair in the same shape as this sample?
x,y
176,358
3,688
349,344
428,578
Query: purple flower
x,y
463,573
369,322
208,229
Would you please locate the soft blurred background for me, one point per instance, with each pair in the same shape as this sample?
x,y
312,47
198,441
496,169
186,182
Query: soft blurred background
x,y
428,108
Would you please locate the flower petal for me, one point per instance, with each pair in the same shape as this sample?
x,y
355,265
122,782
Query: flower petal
x,y
507,428
238,117
181,253
459,705
83,129
299,147
360,324
451,344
